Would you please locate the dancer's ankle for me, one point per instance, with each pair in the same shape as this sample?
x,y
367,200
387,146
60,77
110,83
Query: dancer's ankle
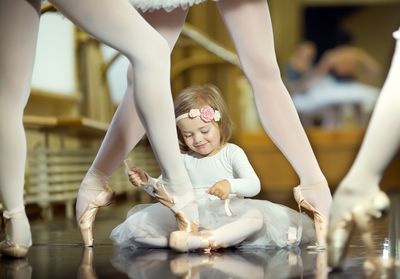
x,y
358,186
18,231
95,178
313,184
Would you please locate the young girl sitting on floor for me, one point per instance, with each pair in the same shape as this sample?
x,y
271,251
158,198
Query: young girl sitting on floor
x,y
222,177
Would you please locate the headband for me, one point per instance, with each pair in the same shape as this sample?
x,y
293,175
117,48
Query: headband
x,y
206,114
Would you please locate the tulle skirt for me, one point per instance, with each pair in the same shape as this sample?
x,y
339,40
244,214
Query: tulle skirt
x,y
157,221
168,5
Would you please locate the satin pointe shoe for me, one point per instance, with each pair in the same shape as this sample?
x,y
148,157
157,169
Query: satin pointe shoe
x,y
320,221
182,241
375,206
104,198
176,206
8,247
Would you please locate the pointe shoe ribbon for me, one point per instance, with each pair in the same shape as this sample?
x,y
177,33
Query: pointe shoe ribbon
x,y
184,224
176,204
320,222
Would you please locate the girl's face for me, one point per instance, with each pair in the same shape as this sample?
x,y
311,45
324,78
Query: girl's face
x,y
201,137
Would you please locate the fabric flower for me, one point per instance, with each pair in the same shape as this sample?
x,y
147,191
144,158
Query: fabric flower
x,y
194,113
207,113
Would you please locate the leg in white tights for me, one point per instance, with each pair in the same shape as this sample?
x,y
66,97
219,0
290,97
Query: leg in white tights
x,y
149,55
19,23
380,144
126,129
276,110
226,236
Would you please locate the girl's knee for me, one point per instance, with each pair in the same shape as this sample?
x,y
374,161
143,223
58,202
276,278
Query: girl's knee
x,y
255,217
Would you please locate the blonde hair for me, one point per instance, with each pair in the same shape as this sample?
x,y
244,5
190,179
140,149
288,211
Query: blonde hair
x,y
195,97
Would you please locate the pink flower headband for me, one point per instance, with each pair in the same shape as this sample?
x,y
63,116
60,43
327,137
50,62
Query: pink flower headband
x,y
206,114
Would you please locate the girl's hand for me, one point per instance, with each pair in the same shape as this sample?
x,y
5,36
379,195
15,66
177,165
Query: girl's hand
x,y
136,176
221,189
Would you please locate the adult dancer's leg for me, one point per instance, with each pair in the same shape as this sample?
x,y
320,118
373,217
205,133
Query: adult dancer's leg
x,y
19,24
149,54
276,110
126,129
359,193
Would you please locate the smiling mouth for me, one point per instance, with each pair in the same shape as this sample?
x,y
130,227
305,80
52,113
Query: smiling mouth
x,y
201,145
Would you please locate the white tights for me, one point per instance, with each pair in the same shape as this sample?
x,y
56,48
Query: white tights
x,y
380,144
117,24
257,56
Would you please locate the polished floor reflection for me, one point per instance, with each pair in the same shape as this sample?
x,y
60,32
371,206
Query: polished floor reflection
x,y
58,253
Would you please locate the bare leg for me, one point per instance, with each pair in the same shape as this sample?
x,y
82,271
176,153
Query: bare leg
x,y
276,110
19,23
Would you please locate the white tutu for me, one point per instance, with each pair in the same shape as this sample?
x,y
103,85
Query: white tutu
x,y
168,5
328,92
155,220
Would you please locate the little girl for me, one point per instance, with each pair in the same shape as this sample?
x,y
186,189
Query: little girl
x,y
221,176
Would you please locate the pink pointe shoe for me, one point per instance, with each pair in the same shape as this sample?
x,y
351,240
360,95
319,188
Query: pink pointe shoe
x,y
8,247
320,221
104,198
360,216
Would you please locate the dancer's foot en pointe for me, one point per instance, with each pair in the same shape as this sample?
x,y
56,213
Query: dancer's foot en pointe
x,y
94,193
183,207
356,208
317,199
18,234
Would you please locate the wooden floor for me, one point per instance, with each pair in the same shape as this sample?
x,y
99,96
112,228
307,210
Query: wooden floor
x,y
57,253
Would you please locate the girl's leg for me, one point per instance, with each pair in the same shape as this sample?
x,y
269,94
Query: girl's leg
x,y
225,236
276,110
126,129
19,23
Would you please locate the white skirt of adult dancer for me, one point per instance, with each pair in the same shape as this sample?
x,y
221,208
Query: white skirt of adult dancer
x,y
155,222
168,5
